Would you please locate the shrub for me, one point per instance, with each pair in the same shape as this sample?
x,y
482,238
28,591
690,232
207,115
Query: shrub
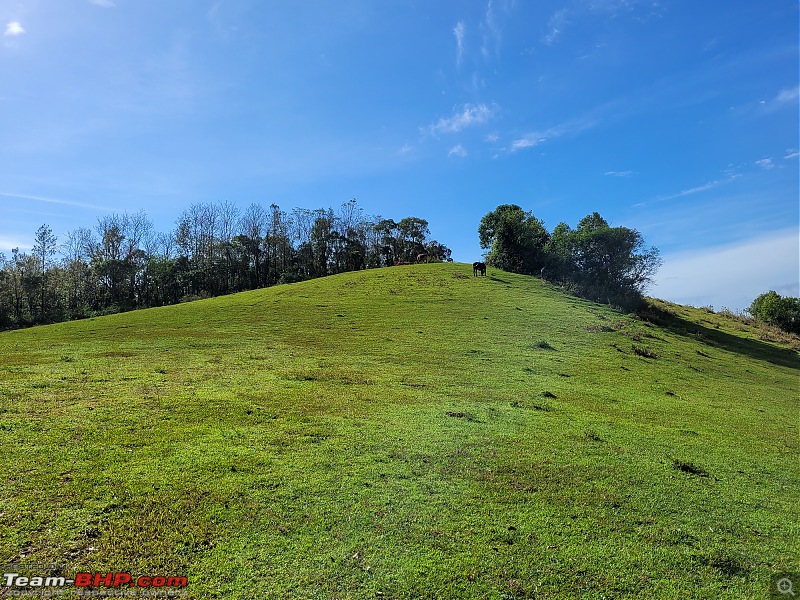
x,y
772,309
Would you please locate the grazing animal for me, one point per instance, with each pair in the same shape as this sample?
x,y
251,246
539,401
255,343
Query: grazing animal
x,y
478,267
422,257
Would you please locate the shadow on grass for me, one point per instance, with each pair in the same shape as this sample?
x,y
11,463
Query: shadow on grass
x,y
493,278
757,349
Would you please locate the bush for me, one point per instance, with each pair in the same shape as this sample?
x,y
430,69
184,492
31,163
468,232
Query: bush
x,y
772,309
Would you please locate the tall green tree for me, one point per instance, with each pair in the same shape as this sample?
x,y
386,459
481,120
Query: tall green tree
x,y
412,232
558,253
516,240
606,264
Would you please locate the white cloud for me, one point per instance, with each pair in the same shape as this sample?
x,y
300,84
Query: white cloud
x,y
618,173
537,137
733,275
555,26
526,142
458,31
493,34
52,201
14,28
784,98
457,150
469,116
641,10
788,95
765,163
690,191
791,154
695,190
405,149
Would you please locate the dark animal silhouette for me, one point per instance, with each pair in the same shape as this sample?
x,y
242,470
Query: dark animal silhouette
x,y
422,257
478,267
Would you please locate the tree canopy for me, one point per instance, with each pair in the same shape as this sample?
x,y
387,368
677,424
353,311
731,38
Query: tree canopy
x,y
594,260
782,312
516,239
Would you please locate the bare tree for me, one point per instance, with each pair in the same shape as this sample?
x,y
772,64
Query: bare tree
x,y
228,215
253,226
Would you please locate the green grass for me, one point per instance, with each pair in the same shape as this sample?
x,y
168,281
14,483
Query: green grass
x,y
411,432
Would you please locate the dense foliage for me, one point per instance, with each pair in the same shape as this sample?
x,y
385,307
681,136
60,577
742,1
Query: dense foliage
x,y
214,249
782,312
596,261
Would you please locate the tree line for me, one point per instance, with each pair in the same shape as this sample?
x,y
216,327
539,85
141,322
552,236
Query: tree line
x,y
215,248
596,261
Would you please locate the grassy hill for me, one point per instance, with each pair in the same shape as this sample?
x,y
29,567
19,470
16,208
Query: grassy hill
x,y
410,432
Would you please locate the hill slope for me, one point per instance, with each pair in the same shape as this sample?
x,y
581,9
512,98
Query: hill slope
x,y
411,432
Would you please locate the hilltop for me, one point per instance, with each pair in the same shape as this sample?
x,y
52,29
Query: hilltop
x,y
407,432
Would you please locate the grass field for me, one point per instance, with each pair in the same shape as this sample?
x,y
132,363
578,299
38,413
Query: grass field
x,y
410,432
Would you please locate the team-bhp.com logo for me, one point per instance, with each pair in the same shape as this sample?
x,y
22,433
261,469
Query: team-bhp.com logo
x,y
16,581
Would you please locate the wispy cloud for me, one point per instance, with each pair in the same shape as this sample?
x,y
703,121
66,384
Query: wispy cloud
x,y
699,188
52,200
641,10
556,25
786,96
765,163
529,141
14,28
405,149
457,150
618,173
492,33
790,153
783,99
103,3
469,115
459,31
538,137
688,192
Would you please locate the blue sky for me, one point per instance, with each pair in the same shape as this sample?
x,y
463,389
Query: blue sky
x,y
679,119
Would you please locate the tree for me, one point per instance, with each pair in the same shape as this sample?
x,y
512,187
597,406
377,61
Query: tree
x,y
783,312
516,239
387,236
5,297
107,261
558,252
75,253
596,261
606,264
44,247
253,227
320,242
438,252
138,231
412,233
22,281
